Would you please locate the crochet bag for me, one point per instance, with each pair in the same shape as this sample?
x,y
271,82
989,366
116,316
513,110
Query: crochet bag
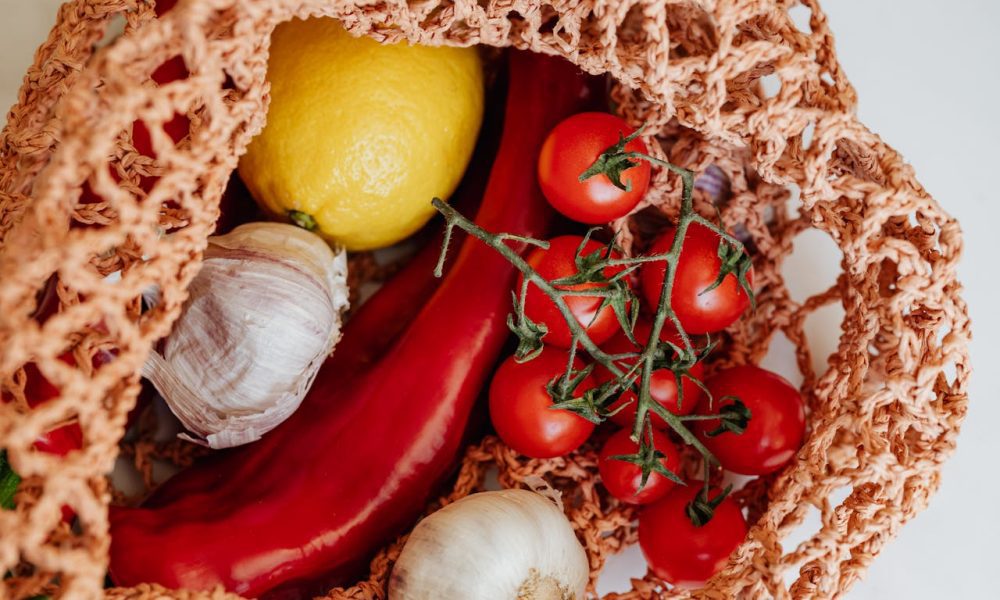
x,y
81,207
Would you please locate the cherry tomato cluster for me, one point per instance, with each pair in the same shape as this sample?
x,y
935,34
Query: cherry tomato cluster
x,y
594,170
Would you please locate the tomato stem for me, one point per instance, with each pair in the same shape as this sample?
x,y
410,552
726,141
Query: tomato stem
x,y
701,510
453,219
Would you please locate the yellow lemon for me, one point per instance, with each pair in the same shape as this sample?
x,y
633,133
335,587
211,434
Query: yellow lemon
x,y
360,136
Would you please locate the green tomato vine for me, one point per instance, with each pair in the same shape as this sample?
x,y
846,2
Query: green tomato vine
x,y
593,404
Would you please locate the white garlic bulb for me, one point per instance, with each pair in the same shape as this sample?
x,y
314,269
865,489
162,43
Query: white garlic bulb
x,y
502,545
262,316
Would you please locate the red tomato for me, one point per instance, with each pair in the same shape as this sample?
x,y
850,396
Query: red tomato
x,y
699,265
520,407
662,382
622,478
777,421
681,553
556,262
571,148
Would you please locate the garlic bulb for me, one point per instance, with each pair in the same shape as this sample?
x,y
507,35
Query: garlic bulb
x,y
263,314
492,546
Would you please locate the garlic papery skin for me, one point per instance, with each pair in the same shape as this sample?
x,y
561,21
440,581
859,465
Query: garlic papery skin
x,y
497,545
262,315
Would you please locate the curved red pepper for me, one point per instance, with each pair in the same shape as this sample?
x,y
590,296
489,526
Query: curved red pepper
x,y
380,320
358,461
383,318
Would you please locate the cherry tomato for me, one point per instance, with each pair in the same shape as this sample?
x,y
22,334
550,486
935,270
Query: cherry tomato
x,y
556,262
662,382
520,407
680,552
571,148
623,479
776,427
699,311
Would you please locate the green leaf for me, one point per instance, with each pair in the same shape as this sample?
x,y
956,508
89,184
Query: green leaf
x,y
9,480
704,351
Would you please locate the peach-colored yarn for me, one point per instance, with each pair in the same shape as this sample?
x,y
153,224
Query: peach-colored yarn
x,y
885,412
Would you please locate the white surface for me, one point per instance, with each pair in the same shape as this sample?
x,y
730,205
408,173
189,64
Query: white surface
x,y
928,77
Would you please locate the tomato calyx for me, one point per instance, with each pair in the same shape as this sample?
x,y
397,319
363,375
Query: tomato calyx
x,y
592,268
562,391
649,460
598,273
701,509
630,371
737,263
615,160
529,333
733,417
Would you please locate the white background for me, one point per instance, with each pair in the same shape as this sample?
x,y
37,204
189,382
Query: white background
x,y
928,76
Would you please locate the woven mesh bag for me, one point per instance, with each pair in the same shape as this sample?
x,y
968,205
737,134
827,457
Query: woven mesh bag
x,y
76,203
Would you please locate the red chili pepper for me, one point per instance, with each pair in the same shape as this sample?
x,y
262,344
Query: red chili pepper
x,y
39,390
64,439
385,316
61,440
308,505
